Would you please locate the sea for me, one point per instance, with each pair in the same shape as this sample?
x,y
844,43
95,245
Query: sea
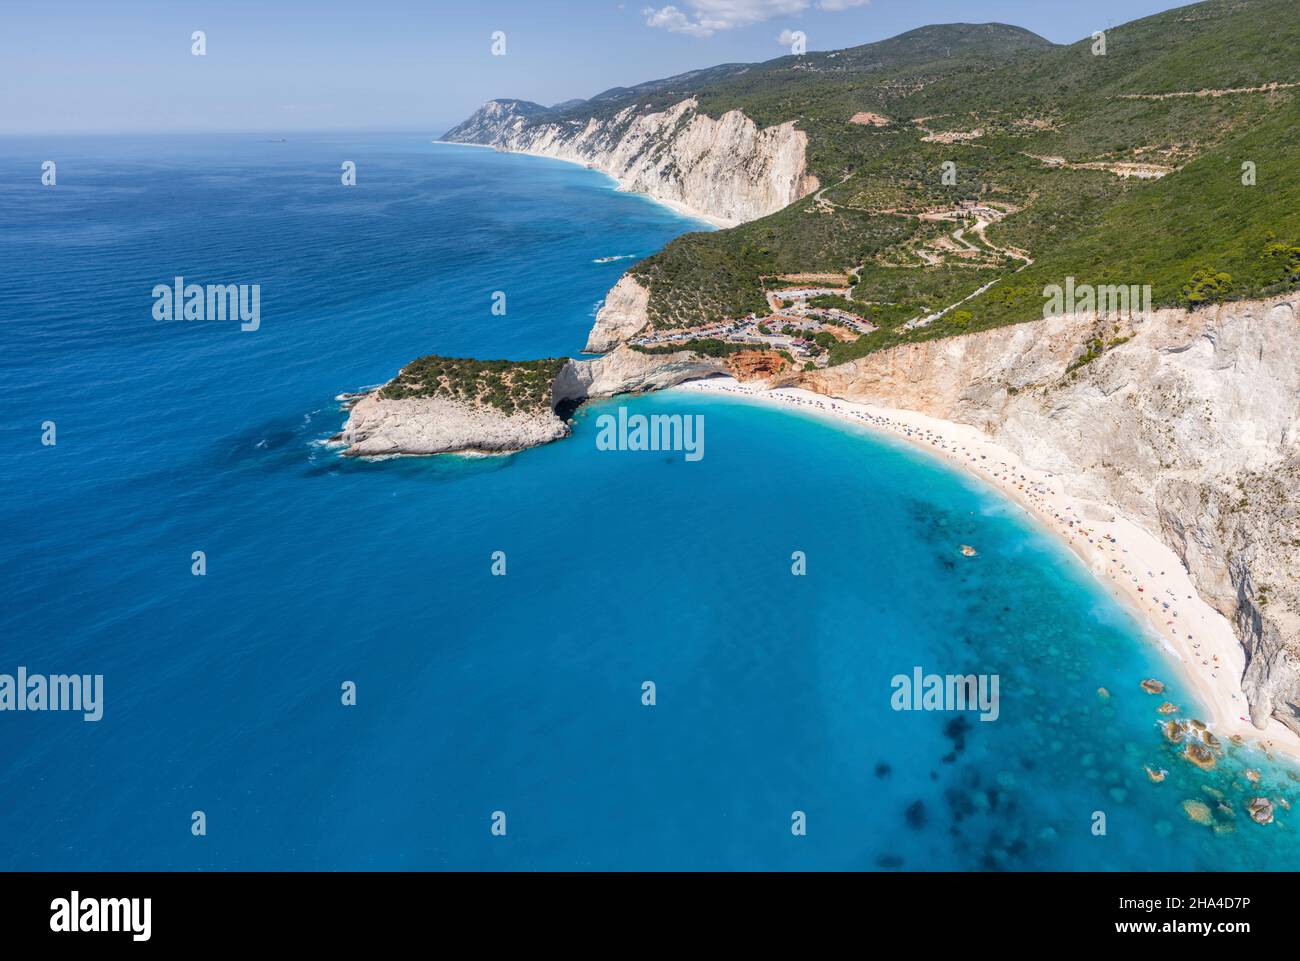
x,y
567,658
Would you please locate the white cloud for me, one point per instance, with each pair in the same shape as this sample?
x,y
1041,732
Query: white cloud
x,y
707,17
670,18
786,37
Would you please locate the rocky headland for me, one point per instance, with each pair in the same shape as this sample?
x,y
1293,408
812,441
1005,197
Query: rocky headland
x,y
417,413
727,170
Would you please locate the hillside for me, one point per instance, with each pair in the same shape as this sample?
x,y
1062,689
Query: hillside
x,y
765,91
1124,168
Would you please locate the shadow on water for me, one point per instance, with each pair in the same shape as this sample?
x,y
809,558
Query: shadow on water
x,y
567,409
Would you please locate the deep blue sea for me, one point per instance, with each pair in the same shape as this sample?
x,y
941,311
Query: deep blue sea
x,y
519,694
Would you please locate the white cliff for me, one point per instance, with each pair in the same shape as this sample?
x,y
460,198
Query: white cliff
x,y
1190,429
624,314
726,170
630,371
380,426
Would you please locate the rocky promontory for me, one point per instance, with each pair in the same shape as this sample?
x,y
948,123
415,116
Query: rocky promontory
x,y
443,405
379,426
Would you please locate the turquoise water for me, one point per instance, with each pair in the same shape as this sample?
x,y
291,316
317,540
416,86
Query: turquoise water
x,y
521,693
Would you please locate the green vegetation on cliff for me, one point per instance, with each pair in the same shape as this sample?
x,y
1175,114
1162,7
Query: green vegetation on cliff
x,y
510,386
1132,167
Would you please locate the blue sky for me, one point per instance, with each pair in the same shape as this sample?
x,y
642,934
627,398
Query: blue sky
x,y
279,65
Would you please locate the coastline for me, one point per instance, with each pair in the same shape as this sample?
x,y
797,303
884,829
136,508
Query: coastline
x,y
622,185
1137,570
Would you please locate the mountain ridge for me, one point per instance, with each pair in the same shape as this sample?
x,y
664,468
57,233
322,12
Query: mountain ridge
x,y
915,44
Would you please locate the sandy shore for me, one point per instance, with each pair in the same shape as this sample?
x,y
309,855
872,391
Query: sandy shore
x,y
623,185
1137,569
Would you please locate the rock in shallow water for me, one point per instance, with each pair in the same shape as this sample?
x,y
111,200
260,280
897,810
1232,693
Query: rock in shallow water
x,y
1199,754
1261,810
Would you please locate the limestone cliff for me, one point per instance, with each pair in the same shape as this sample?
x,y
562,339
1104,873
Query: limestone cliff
x,y
380,426
624,313
1190,428
727,170
383,425
629,371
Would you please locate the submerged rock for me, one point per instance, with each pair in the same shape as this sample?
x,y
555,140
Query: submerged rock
x,y
1152,686
915,815
1168,708
1197,811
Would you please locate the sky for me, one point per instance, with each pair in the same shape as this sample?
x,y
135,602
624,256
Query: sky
x,y
281,65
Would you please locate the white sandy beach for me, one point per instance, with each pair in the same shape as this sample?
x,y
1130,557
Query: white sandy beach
x,y
623,186
1137,569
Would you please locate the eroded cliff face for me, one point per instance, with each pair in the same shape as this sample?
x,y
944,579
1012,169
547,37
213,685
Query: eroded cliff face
x,y
381,426
625,313
628,371
1191,429
727,170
